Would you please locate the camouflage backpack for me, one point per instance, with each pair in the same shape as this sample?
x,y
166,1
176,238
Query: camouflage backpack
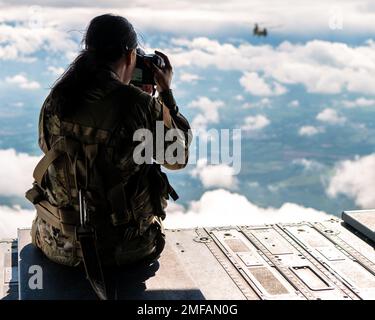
x,y
82,196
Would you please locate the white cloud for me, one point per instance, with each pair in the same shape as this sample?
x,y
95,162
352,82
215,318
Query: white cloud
x,y
56,71
239,97
18,104
189,77
220,175
274,187
248,105
223,208
319,66
208,15
215,208
310,131
12,218
210,108
209,112
355,179
253,123
16,172
253,184
264,102
257,86
294,103
21,81
19,41
359,102
330,116
309,165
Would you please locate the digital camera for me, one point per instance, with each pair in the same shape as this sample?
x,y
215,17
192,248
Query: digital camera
x,y
143,72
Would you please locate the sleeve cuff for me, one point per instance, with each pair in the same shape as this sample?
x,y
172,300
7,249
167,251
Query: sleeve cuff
x,y
168,99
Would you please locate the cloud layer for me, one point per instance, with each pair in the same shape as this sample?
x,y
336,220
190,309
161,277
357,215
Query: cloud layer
x,y
208,112
223,208
330,116
220,175
16,171
21,81
320,66
310,131
12,218
21,42
255,123
257,86
355,179
209,15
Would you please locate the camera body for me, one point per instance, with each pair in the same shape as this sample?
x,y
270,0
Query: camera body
x,y
143,72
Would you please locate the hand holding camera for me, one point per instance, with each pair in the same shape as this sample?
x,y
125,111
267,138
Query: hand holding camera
x,y
153,69
163,77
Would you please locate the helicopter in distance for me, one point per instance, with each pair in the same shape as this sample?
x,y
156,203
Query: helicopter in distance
x,y
259,32
263,32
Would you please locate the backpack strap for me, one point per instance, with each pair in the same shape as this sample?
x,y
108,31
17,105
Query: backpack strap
x,y
42,167
62,146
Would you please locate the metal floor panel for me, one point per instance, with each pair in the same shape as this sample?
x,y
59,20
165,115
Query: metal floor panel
x,y
254,267
351,268
195,248
280,261
306,274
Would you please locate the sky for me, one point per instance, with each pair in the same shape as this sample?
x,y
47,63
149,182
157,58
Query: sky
x,y
303,99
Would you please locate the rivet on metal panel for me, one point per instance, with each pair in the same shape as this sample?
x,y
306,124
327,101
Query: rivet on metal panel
x,y
202,239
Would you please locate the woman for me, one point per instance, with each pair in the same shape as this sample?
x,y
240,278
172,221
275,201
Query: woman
x,y
89,177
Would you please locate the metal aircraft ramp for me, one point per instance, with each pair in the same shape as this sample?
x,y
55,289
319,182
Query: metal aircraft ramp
x,y
322,260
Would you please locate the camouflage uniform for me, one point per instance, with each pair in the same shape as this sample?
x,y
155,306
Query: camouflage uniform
x,y
108,112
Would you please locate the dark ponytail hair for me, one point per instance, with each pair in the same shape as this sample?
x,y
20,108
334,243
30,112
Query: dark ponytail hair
x,y
108,37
